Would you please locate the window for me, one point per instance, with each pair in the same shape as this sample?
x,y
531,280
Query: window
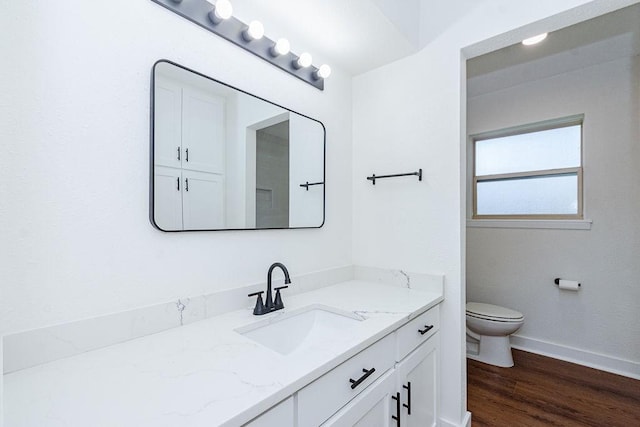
x,y
529,172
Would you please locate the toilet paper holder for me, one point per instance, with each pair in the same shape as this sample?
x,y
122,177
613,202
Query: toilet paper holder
x,y
557,282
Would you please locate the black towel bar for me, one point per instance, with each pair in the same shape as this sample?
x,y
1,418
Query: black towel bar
x,y
309,184
373,177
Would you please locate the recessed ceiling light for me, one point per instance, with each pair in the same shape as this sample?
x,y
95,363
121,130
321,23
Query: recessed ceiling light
x,y
534,40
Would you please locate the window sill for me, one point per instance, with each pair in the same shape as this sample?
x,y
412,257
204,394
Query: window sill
x,y
558,224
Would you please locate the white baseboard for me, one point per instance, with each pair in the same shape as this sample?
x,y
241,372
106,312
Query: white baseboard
x,y
466,421
627,368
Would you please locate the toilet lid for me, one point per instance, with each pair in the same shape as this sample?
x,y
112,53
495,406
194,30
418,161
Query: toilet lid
x,y
490,311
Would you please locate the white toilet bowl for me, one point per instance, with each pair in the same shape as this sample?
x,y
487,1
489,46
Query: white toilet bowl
x,y
489,327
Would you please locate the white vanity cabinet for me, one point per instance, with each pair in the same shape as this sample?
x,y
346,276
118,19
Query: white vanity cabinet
x,y
281,415
405,390
371,408
404,396
417,384
325,396
417,369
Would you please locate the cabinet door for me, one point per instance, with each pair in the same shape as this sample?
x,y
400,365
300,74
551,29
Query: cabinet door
x,y
167,198
280,415
202,201
167,137
418,383
203,131
374,407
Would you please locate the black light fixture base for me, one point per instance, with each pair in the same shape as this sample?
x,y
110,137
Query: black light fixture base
x,y
232,29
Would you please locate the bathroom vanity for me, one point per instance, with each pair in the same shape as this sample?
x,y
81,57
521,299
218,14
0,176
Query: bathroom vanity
x,y
354,353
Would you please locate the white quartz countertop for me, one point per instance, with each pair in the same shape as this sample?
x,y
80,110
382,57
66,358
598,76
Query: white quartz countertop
x,y
204,373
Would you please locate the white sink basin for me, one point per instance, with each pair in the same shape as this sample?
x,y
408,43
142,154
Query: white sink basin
x,y
301,328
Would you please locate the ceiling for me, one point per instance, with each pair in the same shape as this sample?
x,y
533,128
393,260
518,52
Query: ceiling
x,y
356,36
605,38
353,35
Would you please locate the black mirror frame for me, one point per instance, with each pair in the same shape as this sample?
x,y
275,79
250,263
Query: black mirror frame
x,y
152,154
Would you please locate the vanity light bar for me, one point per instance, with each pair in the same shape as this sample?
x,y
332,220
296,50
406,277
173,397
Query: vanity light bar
x,y
200,12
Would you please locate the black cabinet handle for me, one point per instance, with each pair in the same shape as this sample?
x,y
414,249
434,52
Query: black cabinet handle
x,y
186,184
186,153
408,404
397,416
178,153
425,330
178,179
356,383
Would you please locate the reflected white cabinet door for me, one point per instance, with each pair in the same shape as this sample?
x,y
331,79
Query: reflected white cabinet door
x,y
202,201
374,407
167,123
203,131
280,415
417,372
167,198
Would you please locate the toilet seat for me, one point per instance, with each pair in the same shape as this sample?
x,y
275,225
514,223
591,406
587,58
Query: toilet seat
x,y
493,312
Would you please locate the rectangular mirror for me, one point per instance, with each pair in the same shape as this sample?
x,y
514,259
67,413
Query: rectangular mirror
x,y
223,159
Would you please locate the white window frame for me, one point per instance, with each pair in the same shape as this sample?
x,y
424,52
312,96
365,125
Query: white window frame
x,y
519,130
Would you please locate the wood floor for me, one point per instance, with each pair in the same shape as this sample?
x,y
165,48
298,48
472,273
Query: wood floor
x,y
540,391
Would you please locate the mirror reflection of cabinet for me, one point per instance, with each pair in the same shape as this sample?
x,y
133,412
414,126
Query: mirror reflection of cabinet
x,y
225,159
189,164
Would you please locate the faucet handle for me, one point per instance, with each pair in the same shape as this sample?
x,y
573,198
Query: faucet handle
x,y
277,303
259,309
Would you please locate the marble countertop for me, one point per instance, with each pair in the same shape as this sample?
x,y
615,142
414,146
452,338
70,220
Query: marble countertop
x,y
204,373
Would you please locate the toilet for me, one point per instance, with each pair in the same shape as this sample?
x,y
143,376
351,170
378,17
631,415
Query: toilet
x,y
488,330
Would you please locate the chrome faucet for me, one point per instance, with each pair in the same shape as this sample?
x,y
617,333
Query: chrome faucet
x,y
271,304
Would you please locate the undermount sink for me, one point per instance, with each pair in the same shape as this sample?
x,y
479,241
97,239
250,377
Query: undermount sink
x,y
300,328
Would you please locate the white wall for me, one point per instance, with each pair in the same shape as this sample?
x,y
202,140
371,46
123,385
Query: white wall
x,y
516,268
408,115
76,238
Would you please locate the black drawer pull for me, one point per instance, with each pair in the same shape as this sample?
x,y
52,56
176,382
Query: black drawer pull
x,y
396,417
425,330
408,404
367,373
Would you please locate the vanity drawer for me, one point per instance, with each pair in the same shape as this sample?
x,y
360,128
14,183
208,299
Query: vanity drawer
x,y
324,397
417,331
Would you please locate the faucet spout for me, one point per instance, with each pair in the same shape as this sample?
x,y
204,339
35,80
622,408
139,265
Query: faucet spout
x,y
269,303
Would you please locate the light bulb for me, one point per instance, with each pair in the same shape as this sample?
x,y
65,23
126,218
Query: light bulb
x,y
304,60
282,47
255,31
323,72
534,40
222,10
